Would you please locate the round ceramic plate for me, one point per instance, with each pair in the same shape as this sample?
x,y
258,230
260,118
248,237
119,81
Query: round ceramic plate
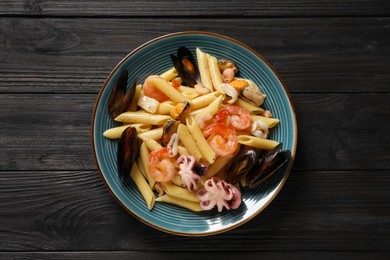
x,y
153,57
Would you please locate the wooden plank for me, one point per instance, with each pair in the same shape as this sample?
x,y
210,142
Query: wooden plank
x,y
195,8
315,211
125,255
323,55
45,131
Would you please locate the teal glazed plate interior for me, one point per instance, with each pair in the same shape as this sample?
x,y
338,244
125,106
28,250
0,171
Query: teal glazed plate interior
x,y
153,57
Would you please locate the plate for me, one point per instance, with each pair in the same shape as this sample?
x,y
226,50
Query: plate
x,y
153,57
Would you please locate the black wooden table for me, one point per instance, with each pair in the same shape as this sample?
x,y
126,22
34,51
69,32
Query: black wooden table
x,y
334,57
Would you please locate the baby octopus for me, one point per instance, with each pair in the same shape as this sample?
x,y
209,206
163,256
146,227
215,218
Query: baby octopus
x,y
189,179
219,193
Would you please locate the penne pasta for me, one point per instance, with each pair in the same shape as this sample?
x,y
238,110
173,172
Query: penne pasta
x,y
194,206
168,90
204,100
165,107
188,141
152,144
183,150
215,73
142,186
271,122
214,168
116,132
169,74
179,192
200,140
133,104
252,108
144,155
188,92
204,71
142,117
257,142
154,134
212,108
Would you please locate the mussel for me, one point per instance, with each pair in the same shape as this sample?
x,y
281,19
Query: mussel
x,y
268,163
127,152
252,94
180,111
169,128
185,66
120,100
241,164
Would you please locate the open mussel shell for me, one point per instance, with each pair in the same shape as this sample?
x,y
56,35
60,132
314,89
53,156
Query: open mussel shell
x,y
241,164
267,165
119,100
127,152
185,66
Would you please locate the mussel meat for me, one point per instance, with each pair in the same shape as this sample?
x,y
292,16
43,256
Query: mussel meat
x,y
267,165
127,152
252,94
119,100
241,164
185,66
169,128
180,111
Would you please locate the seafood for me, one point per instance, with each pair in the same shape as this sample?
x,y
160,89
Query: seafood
x,y
185,66
268,164
189,179
253,95
127,152
241,164
227,64
259,128
119,100
236,116
230,91
219,193
222,139
162,165
180,111
151,91
204,120
169,128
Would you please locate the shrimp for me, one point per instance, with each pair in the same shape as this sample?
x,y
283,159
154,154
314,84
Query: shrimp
x,y
222,139
151,91
259,129
162,165
204,120
236,116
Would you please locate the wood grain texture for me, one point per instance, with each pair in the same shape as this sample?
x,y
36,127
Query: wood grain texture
x,y
334,211
195,8
119,255
335,132
312,55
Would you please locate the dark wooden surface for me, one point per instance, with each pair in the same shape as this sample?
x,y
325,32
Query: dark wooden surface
x,y
334,57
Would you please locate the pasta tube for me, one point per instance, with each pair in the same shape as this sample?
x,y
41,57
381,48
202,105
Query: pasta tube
x,y
168,90
212,108
188,141
204,100
215,73
144,155
200,140
194,206
271,122
214,168
133,104
204,72
169,74
252,108
142,186
165,107
154,134
257,142
152,144
142,117
116,132
179,192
